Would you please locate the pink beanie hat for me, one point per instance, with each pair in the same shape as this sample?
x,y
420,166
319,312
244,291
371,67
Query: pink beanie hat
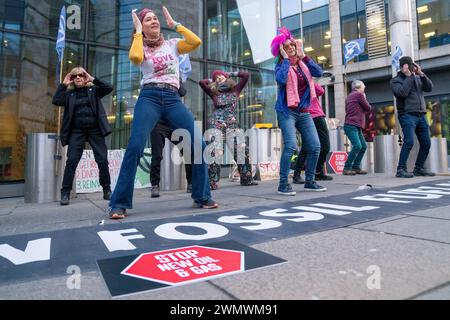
x,y
143,13
284,34
217,73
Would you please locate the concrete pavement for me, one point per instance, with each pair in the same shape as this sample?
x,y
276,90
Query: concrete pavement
x,y
405,256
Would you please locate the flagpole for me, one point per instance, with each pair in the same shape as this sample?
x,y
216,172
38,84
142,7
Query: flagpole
x,y
60,49
58,156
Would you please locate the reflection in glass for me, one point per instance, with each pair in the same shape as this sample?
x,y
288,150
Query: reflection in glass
x,y
28,81
316,34
42,17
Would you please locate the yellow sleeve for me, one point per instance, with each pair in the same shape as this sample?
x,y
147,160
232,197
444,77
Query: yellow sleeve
x,y
136,54
190,41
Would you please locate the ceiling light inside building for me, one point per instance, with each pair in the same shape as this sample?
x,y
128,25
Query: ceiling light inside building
x,y
425,21
327,45
429,34
321,58
235,23
309,49
213,30
247,53
422,9
69,62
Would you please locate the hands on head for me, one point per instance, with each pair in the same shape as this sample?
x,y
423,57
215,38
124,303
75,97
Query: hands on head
x,y
138,24
70,77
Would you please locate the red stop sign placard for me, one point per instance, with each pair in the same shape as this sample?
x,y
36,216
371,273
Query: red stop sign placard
x,y
337,161
182,265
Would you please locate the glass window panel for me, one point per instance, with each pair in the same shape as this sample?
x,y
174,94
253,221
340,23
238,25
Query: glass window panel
x,y
433,19
231,33
28,82
312,4
257,100
113,66
289,8
42,17
111,22
316,34
353,24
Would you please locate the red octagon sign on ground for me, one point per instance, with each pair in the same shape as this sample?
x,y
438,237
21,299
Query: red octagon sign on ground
x,y
183,265
337,161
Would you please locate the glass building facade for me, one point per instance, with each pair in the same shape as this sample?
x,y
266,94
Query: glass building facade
x,y
315,22
98,37
236,35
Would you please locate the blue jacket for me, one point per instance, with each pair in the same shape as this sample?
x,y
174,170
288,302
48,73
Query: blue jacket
x,y
281,76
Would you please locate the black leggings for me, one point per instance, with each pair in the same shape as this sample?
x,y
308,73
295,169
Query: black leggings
x,y
324,137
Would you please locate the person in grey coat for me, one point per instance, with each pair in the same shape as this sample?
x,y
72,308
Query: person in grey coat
x,y
408,88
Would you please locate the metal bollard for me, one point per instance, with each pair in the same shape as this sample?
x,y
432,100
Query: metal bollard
x,y
386,151
172,169
40,178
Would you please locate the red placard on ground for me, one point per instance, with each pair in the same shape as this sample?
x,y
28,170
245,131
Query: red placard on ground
x,y
336,161
178,266
184,265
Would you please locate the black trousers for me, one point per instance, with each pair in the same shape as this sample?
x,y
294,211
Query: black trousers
x,y
161,131
324,137
77,141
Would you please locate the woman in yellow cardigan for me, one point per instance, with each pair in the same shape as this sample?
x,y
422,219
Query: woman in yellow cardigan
x,y
159,99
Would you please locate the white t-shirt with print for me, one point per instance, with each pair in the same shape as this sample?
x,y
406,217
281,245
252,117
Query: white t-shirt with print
x,y
161,65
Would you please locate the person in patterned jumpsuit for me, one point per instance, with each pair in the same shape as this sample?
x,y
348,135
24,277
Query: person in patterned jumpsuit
x,y
224,93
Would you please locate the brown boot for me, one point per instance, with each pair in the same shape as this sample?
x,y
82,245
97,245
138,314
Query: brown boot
x,y
359,171
346,172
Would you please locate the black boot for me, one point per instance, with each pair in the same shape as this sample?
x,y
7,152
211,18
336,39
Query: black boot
x,y
65,198
107,193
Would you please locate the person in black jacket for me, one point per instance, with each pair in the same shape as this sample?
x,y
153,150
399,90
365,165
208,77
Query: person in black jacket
x,y
84,120
408,87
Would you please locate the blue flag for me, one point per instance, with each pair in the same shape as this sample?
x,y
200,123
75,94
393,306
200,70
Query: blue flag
x,y
353,48
185,67
61,39
396,57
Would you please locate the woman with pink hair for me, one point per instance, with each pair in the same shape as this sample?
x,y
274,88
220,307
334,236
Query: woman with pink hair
x,y
159,99
296,96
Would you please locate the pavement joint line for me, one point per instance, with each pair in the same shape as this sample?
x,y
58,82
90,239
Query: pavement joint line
x,y
399,235
224,291
95,205
401,216
10,212
445,284
427,217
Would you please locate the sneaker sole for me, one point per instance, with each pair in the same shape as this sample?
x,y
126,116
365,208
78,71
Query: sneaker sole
x,y
287,193
316,190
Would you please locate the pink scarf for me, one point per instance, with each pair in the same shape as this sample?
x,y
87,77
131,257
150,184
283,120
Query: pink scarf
x,y
293,98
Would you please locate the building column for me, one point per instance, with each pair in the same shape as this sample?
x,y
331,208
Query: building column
x,y
336,57
400,26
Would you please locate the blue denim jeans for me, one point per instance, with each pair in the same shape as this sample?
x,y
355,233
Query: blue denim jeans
x,y
359,147
155,104
411,125
303,122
